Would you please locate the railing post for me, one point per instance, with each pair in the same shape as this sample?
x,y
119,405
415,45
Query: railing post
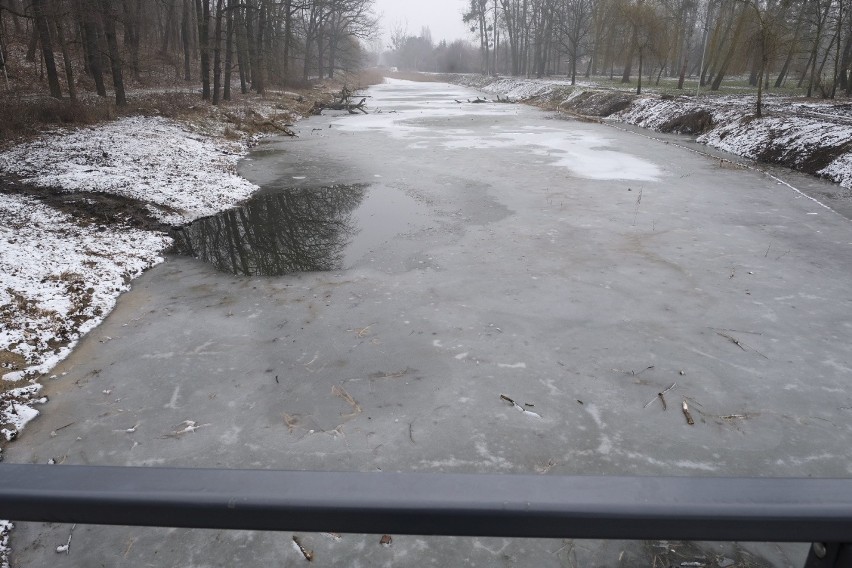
x,y
829,555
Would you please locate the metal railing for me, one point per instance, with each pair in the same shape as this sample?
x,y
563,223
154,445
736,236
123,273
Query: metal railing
x,y
582,507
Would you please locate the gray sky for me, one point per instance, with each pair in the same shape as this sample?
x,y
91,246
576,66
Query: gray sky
x,y
442,16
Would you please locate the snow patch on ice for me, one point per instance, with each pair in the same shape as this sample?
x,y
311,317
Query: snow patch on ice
x,y
583,153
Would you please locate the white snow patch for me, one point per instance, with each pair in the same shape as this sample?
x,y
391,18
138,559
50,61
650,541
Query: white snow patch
x,y
792,130
58,280
5,527
183,174
583,153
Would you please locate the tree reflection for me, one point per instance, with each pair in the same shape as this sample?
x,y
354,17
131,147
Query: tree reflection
x,y
294,230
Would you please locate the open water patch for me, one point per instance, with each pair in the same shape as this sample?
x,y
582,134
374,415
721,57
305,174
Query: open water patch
x,y
301,229
274,233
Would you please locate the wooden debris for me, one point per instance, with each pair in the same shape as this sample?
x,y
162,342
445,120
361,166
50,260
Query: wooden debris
x,y
634,373
188,426
739,343
390,374
342,101
66,548
660,396
291,421
517,406
258,124
386,540
308,554
356,408
686,413
544,467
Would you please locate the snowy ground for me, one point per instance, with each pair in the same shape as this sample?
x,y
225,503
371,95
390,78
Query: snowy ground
x,y
810,136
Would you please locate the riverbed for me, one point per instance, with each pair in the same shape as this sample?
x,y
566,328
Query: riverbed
x,y
473,250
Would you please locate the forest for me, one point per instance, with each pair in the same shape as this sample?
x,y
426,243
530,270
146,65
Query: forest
x,y
67,47
768,44
223,45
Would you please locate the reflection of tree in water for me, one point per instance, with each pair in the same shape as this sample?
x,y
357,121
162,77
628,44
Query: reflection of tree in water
x,y
295,230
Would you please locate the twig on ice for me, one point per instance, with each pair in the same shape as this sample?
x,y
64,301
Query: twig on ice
x,y
686,413
308,554
66,548
660,396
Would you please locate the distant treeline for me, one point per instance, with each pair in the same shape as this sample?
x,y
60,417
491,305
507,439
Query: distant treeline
x,y
93,43
776,43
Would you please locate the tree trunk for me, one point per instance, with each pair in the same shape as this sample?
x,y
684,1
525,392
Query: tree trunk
x,y
66,59
839,36
168,28
132,20
91,31
820,21
250,37
185,38
33,45
288,32
202,8
844,79
723,67
43,30
114,54
785,67
260,74
229,49
217,53
639,75
763,63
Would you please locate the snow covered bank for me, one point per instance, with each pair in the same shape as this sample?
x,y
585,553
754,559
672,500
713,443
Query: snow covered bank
x,y
181,175
813,137
62,273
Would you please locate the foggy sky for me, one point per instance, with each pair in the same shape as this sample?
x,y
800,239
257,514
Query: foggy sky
x,y
442,16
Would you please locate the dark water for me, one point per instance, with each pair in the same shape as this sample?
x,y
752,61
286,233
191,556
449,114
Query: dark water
x,y
275,233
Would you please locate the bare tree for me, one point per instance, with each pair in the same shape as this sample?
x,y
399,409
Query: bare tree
x,y
43,30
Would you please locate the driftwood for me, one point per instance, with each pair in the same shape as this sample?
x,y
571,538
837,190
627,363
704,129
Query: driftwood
x,y
477,100
260,124
343,101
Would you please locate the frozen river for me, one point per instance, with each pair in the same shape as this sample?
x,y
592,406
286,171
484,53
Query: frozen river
x,y
457,252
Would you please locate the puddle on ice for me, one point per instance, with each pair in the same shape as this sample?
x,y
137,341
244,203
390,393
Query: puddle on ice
x,y
299,229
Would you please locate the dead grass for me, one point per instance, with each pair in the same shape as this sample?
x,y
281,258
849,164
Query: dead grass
x,y
11,361
27,116
697,122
